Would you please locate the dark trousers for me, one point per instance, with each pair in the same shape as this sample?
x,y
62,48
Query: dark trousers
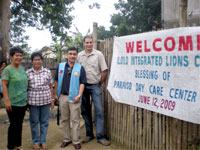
x,y
16,117
95,92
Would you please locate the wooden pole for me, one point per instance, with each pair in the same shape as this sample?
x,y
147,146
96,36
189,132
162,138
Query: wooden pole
x,y
183,13
95,35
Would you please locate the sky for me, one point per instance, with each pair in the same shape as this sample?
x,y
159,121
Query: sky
x,y
84,18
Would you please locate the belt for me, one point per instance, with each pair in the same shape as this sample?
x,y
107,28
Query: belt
x,y
88,84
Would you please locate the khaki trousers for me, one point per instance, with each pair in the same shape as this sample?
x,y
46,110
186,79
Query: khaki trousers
x,y
70,111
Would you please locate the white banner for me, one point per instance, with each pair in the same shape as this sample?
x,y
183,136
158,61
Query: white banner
x,y
159,71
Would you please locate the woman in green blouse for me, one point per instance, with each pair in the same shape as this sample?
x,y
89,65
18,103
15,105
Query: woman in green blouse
x,y
14,86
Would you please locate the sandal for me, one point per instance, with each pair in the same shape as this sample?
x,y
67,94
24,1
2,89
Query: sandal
x,y
44,146
36,147
19,148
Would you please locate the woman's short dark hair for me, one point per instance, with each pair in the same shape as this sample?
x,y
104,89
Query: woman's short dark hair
x,y
33,55
15,50
1,63
72,49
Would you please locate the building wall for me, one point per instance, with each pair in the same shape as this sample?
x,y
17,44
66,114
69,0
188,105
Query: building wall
x,y
170,13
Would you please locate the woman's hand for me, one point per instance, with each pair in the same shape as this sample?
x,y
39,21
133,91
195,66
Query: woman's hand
x,y
8,105
52,104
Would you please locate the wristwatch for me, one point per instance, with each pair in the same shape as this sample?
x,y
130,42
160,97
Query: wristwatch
x,y
79,96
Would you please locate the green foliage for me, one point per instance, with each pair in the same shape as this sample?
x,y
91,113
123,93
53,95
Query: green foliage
x,y
136,16
103,33
16,34
76,40
42,14
26,54
194,143
57,49
189,145
95,5
198,147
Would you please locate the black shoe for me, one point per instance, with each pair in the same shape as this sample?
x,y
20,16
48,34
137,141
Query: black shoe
x,y
65,144
77,146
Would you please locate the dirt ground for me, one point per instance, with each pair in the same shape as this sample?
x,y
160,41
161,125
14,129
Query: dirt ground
x,y
54,136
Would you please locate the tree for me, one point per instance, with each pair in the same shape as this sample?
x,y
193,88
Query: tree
x,y
136,16
50,14
120,25
53,15
57,50
76,40
4,27
103,33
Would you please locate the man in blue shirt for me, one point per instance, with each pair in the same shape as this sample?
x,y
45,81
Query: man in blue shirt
x,y
70,80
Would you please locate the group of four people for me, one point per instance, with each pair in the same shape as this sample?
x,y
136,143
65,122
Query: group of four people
x,y
76,80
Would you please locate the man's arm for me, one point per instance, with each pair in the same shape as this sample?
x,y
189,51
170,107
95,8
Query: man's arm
x,y
80,93
55,89
82,86
52,96
56,84
103,76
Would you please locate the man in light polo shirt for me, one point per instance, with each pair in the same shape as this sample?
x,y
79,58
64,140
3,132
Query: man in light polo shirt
x,y
96,71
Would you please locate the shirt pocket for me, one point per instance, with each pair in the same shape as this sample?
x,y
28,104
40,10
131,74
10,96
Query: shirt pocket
x,y
45,80
93,62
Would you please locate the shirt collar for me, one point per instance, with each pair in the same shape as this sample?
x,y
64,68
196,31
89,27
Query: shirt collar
x,y
68,64
33,70
92,53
